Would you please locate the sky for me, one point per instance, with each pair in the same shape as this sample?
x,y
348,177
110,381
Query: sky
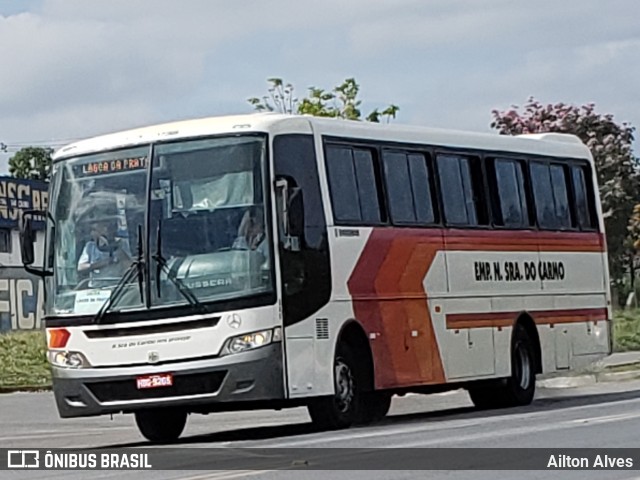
x,y
71,69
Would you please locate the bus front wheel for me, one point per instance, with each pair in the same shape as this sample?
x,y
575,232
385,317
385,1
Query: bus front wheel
x,y
162,425
343,408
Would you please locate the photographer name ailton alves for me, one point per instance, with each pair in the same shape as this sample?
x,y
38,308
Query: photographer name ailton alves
x,y
599,461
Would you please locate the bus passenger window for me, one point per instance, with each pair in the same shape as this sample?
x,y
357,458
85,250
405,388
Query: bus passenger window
x,y
462,190
367,186
409,188
561,198
342,181
550,195
353,185
396,174
509,194
421,179
583,197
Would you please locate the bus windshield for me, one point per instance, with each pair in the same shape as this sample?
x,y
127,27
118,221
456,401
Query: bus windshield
x,y
197,225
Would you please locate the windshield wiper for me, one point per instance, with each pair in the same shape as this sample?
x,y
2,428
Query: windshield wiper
x,y
162,265
136,269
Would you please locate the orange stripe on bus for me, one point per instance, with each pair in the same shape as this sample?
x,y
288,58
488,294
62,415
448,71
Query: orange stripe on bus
x,y
394,264
458,321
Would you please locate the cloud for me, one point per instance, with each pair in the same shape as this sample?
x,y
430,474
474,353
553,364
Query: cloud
x,y
54,63
73,68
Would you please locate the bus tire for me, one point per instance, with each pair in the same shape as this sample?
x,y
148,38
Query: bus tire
x,y
342,409
161,425
519,388
486,397
375,406
522,383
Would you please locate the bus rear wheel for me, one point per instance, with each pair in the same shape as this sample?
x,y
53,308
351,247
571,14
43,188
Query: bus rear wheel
x,y
161,425
343,408
519,388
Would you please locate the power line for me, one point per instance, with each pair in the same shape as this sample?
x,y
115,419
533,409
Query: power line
x,y
13,147
49,140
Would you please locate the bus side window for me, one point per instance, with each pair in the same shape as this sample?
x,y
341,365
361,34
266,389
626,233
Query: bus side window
x,y
509,194
353,185
549,184
408,181
561,195
583,197
462,190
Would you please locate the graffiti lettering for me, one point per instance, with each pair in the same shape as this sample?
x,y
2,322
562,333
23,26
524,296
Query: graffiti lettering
x,y
17,195
21,301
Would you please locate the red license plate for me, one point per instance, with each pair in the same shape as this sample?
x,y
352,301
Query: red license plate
x,y
155,381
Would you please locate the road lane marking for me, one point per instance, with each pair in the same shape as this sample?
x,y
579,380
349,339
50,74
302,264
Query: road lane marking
x,y
607,418
225,475
388,431
519,431
39,434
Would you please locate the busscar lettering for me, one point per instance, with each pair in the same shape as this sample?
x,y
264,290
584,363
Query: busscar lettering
x,y
518,271
217,282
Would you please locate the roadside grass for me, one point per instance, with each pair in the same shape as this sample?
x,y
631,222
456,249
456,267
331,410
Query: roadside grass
x,y
624,368
626,331
23,361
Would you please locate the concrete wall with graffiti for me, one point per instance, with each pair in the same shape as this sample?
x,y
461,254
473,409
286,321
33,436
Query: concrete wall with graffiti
x,y
21,300
21,294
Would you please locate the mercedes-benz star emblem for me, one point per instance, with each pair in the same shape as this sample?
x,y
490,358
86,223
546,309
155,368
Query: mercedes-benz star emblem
x,y
234,321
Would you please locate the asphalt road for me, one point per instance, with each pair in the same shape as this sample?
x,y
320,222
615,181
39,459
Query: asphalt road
x,y
603,415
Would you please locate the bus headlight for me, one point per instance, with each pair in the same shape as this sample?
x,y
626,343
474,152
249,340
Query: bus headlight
x,y
250,341
66,359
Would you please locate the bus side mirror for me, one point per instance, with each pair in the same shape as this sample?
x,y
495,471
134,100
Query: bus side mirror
x,y
28,240
290,214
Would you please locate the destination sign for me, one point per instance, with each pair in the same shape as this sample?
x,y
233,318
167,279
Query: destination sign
x,y
111,166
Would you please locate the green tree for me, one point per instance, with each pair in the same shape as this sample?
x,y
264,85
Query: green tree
x,y
33,163
340,102
610,143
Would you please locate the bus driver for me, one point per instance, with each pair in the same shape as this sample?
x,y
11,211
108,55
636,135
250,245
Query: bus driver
x,y
251,234
101,258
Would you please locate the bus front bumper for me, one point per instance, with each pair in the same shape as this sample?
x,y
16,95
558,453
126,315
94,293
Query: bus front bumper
x,y
252,376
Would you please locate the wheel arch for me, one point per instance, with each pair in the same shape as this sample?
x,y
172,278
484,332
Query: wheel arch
x,y
354,336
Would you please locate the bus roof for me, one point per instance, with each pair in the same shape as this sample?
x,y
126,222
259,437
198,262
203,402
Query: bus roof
x,y
553,144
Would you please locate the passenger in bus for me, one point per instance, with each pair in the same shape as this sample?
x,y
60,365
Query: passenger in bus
x,y
104,256
251,234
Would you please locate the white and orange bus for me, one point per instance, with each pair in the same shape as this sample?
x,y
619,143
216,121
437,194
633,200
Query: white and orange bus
x,y
266,261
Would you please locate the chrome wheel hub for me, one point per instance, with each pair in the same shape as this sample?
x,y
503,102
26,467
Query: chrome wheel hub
x,y
523,367
345,386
